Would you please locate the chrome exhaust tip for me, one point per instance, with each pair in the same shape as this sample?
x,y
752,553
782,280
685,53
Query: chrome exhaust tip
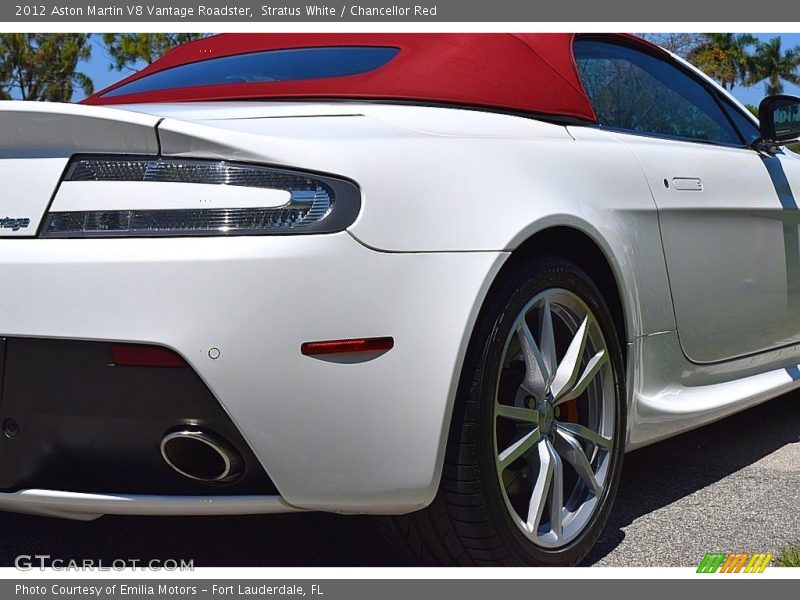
x,y
201,456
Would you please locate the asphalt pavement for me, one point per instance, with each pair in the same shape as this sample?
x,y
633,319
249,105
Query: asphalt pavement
x,y
730,486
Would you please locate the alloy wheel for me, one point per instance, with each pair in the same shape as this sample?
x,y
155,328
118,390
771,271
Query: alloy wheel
x,y
554,418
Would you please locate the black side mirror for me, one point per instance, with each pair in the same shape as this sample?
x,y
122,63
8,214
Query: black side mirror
x,y
779,118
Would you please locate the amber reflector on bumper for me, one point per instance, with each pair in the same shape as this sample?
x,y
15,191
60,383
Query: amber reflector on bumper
x,y
379,344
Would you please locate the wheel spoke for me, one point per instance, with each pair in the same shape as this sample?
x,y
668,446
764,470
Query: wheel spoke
x,y
535,370
541,488
567,371
547,337
592,369
517,449
556,492
573,453
516,413
521,397
585,433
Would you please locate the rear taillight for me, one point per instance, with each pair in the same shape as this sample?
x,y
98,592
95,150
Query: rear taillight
x,y
195,197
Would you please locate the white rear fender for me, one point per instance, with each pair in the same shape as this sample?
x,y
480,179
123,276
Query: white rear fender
x,y
410,169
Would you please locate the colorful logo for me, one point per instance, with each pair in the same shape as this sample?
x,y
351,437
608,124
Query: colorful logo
x,y
734,562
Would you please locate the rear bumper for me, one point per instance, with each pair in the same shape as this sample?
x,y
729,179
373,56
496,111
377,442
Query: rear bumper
x,y
86,507
72,420
361,437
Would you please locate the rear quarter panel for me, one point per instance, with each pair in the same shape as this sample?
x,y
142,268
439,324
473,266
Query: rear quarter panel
x,y
446,180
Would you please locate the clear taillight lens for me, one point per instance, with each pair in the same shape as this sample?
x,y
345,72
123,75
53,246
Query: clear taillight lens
x,y
317,203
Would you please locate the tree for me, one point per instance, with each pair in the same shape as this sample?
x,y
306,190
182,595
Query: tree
x,y
681,44
724,57
127,50
42,66
773,65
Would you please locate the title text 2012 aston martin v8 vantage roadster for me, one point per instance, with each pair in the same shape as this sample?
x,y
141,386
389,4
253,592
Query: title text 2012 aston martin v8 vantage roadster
x,y
444,279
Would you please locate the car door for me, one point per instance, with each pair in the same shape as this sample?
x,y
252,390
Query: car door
x,y
729,222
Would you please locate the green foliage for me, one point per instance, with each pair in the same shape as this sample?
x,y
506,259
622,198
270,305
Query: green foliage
x,y
681,44
43,66
127,50
740,58
724,57
788,558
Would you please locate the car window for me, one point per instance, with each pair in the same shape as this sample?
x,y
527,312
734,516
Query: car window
x,y
264,67
637,92
746,126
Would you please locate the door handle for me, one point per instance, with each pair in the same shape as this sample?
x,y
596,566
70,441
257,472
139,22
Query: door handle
x,y
687,184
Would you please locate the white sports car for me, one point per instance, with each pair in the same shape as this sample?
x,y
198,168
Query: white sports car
x,y
448,279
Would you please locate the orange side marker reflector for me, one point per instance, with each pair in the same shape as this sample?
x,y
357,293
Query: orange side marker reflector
x,y
379,344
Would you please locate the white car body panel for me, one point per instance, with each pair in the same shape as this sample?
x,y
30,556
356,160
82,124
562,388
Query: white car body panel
x,y
398,214
670,395
731,241
34,179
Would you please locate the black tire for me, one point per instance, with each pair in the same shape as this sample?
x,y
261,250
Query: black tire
x,y
468,523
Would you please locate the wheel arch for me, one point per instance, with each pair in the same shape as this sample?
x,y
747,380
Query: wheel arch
x,y
559,241
579,247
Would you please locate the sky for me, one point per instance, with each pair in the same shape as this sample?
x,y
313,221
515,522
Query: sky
x,y
97,68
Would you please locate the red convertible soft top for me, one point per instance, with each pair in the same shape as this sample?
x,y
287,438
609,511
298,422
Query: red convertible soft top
x,y
531,73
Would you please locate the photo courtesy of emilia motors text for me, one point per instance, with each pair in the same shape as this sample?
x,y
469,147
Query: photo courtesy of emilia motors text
x,y
381,300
